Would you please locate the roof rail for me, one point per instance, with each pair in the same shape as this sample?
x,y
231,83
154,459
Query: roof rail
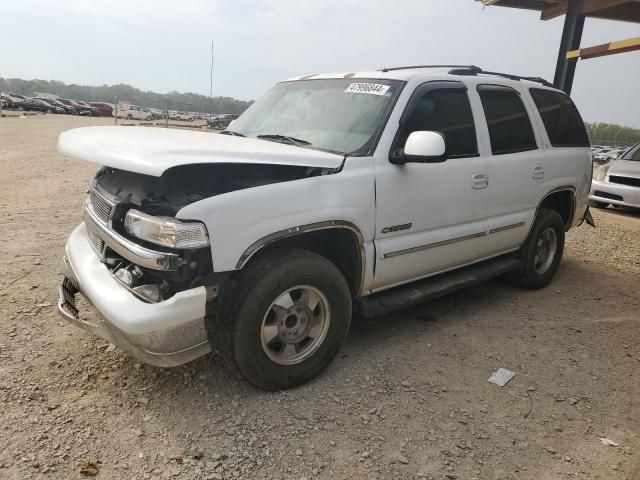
x,y
412,67
472,70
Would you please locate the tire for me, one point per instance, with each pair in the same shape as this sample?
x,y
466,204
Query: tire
x,y
261,338
540,264
596,204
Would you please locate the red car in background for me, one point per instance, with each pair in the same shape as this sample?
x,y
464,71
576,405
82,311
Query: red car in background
x,y
104,109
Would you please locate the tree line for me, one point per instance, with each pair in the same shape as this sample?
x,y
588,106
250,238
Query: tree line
x,y
192,102
609,133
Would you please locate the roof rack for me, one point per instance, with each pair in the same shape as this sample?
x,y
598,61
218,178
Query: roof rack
x,y
473,70
413,67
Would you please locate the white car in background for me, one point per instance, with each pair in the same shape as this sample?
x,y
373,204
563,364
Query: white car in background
x,y
135,112
617,182
186,117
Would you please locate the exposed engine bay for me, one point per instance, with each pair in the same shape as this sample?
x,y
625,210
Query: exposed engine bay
x,y
164,196
180,186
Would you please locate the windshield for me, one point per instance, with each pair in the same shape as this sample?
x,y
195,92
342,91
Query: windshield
x,y
337,115
633,154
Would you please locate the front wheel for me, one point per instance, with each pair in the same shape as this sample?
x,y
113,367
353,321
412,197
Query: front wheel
x,y
285,318
542,251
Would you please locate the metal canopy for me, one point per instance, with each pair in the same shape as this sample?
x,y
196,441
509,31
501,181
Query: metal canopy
x,y
576,11
621,10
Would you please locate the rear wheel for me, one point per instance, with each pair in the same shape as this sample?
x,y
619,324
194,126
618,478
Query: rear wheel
x,y
285,318
542,251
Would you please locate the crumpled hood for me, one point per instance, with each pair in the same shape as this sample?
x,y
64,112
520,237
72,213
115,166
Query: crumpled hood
x,y
625,168
152,151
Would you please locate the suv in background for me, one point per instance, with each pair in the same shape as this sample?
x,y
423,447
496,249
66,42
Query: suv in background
x,y
104,109
135,112
222,121
373,190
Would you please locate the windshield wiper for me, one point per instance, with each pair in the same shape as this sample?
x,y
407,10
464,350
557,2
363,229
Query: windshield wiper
x,y
231,132
285,139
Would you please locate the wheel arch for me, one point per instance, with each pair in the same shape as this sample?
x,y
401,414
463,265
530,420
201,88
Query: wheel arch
x,y
341,242
562,200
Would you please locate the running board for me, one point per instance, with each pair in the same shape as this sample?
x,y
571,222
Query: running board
x,y
421,291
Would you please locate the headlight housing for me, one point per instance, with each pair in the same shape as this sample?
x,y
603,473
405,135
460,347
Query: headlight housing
x,y
600,172
165,231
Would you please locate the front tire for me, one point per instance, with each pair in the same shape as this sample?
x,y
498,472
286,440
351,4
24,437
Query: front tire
x,y
285,318
542,251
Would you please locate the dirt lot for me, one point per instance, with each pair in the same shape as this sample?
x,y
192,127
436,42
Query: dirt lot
x,y
408,397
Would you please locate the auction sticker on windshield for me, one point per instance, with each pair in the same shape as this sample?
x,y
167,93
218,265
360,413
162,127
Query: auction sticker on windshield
x,y
370,88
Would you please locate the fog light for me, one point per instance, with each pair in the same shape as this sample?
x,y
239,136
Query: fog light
x,y
151,292
124,276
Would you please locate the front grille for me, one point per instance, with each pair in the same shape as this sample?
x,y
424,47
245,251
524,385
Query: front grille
x,y
97,243
611,196
100,206
632,182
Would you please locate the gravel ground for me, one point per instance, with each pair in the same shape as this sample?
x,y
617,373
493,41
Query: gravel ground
x,y
407,398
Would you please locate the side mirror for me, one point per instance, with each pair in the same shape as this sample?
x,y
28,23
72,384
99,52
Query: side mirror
x,y
422,147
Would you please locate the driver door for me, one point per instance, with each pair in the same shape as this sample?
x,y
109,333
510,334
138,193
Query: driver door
x,y
430,217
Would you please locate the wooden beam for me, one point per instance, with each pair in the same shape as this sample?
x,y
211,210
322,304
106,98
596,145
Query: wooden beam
x,y
621,46
553,11
590,8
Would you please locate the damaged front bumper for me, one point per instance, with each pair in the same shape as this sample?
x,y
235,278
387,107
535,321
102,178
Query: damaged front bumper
x,y
168,333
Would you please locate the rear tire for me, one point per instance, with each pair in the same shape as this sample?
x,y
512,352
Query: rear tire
x,y
284,319
541,252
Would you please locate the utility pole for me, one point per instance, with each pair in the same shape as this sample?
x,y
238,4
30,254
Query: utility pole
x,y
211,85
166,117
115,106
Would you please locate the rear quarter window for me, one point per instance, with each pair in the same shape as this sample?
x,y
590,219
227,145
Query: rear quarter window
x,y
561,119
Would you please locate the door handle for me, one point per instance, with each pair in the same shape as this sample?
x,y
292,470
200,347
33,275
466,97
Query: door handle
x,y
537,172
479,180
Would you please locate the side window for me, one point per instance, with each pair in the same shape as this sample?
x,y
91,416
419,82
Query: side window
x,y
509,125
561,118
446,111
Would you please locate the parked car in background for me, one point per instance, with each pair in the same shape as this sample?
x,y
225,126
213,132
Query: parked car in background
x,y
77,109
59,106
185,117
617,182
376,193
37,105
104,109
11,101
173,115
601,154
156,113
135,112
222,121
92,110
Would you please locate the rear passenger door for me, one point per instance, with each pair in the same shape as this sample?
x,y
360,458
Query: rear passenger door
x,y
516,165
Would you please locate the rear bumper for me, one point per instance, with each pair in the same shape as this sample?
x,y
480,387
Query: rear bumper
x,y
165,334
615,193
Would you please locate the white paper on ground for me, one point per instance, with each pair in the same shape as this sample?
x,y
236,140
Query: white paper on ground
x,y
501,377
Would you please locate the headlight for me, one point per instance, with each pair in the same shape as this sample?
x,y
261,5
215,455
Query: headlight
x,y
167,231
600,172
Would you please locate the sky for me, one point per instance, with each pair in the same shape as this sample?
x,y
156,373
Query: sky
x,y
164,45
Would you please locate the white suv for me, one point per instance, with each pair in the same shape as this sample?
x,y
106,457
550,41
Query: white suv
x,y
373,191
134,112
